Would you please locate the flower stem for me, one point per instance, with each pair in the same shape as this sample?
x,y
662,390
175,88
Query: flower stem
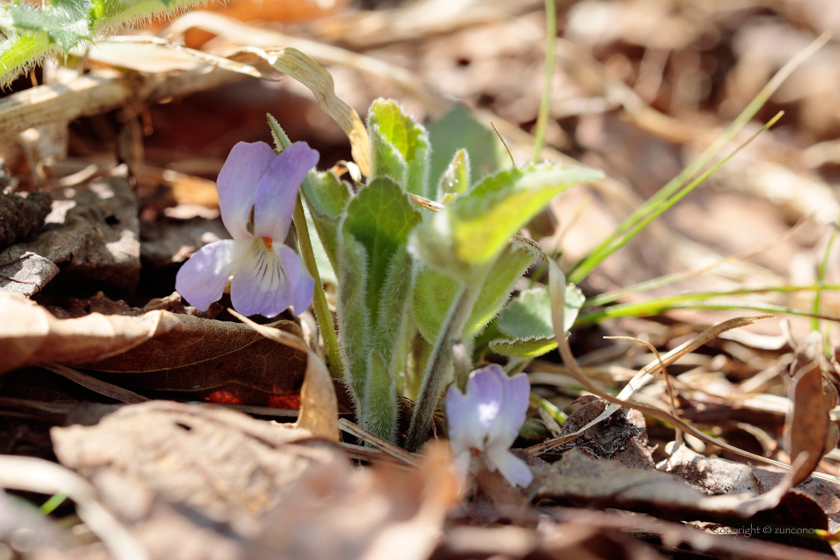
x,y
439,363
322,311
545,103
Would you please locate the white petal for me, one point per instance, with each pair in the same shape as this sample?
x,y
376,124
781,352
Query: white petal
x,y
201,280
509,465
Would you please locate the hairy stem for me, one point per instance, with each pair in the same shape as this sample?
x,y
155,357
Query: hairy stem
x,y
439,363
319,302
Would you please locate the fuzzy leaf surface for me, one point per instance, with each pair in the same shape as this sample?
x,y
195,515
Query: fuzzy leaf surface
x,y
435,291
400,146
467,236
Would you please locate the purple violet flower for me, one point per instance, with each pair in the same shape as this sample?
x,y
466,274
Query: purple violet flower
x,y
484,423
257,195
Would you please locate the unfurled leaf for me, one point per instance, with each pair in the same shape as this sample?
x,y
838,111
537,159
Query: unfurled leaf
x,y
467,236
434,292
375,278
527,321
400,147
458,130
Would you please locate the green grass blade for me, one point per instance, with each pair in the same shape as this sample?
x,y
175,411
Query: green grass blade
x,y
585,266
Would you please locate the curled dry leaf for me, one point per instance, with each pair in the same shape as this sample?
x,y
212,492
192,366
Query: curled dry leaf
x,y
809,431
158,350
318,401
221,462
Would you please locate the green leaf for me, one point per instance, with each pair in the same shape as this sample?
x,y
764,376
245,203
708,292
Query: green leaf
x,y
32,33
456,179
434,292
468,235
379,409
523,347
353,316
66,23
529,314
456,130
380,218
327,197
400,146
527,320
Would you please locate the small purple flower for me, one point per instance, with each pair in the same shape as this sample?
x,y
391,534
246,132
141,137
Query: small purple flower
x,y
257,195
484,422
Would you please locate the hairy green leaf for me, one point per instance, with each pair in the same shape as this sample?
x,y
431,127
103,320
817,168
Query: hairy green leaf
x,y
435,291
327,197
400,146
468,235
527,321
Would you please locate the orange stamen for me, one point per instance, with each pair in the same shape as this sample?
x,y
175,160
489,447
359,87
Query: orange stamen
x,y
267,241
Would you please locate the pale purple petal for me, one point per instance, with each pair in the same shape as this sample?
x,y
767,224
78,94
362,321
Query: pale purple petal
x,y
201,280
471,415
267,284
515,397
302,284
276,194
237,184
509,465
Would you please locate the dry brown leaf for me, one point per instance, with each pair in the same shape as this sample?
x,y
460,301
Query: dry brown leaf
x,y
808,425
158,350
610,483
318,401
221,462
373,514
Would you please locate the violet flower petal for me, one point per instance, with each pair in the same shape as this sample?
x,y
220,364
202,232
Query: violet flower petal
x,y
471,415
276,194
515,398
237,185
201,280
509,465
267,283
302,285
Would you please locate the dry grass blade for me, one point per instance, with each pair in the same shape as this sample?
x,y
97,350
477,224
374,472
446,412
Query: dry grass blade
x,y
96,385
318,401
556,290
383,444
36,475
299,66
645,375
93,95
242,34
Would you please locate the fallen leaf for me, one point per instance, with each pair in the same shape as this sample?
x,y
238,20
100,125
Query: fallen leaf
x,y
381,513
318,401
808,425
157,350
611,484
221,462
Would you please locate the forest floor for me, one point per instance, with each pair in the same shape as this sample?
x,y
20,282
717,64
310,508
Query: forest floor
x,y
100,355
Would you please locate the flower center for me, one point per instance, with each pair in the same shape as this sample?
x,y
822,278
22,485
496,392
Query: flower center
x,y
267,241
